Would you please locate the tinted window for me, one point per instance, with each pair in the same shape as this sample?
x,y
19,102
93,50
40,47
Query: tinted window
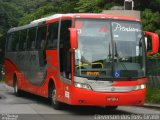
x,y
31,38
64,33
22,41
41,37
13,41
9,42
52,36
65,56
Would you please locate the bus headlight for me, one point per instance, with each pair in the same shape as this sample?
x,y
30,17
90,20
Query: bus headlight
x,y
82,85
140,87
143,86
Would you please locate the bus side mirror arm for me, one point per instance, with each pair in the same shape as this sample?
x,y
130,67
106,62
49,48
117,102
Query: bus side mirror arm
x,y
73,39
154,42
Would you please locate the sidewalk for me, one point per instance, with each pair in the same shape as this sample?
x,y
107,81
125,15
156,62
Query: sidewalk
x,y
4,87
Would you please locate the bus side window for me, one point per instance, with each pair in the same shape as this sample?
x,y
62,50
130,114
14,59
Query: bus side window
x,y
15,39
22,41
64,46
9,42
52,36
12,41
41,38
31,38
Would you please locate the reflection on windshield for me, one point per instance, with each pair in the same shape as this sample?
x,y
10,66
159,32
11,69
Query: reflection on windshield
x,y
99,54
92,50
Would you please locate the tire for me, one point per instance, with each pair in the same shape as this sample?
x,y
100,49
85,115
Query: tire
x,y
17,92
111,108
53,99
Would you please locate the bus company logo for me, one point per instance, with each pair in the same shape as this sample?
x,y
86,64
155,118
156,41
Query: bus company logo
x,y
113,89
123,28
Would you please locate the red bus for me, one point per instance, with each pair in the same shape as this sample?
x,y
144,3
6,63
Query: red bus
x,y
80,59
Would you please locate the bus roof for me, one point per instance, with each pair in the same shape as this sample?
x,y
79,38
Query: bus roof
x,y
51,18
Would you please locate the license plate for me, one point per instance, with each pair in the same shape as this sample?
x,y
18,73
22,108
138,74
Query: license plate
x,y
112,98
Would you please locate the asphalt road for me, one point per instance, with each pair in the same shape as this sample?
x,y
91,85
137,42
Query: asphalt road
x,y
32,107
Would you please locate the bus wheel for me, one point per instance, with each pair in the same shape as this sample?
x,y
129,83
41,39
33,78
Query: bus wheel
x,y
17,92
111,107
55,104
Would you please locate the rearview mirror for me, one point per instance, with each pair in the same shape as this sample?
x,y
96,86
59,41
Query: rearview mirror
x,y
73,38
152,42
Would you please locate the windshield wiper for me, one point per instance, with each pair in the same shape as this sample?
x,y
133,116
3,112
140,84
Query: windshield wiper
x,y
118,56
116,52
109,55
122,64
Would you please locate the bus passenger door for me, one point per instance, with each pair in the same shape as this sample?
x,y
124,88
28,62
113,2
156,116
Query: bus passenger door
x,y
52,58
65,58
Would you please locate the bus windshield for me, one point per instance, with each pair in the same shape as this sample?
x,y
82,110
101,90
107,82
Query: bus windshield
x,y
109,49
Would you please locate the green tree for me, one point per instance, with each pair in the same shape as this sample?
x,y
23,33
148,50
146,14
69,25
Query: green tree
x,y
90,6
27,6
49,9
9,16
151,20
147,4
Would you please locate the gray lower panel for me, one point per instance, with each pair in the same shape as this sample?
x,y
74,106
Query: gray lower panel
x,y
31,63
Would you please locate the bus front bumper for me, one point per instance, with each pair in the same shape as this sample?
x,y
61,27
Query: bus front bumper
x,y
92,98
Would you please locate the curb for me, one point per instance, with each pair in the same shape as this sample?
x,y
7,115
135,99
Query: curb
x,y
155,106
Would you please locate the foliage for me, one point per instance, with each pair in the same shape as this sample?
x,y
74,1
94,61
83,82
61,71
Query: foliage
x,y
151,20
96,6
2,45
9,16
147,4
38,14
158,31
90,6
153,95
154,56
27,6
48,9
